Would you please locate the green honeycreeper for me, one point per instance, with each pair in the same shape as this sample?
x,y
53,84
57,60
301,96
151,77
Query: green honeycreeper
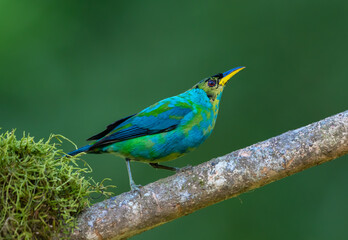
x,y
167,129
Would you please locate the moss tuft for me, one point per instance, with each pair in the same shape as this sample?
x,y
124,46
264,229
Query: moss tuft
x,y
42,191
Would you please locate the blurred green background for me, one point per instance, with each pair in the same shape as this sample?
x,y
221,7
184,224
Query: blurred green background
x,y
73,67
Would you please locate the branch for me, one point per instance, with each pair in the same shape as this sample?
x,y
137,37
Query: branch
x,y
216,180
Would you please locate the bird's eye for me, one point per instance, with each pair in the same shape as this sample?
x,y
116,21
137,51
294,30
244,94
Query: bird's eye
x,y
211,83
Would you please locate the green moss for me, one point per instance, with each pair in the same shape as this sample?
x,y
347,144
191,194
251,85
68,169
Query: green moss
x,y
42,191
201,182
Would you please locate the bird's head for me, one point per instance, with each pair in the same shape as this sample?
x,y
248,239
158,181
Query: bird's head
x,y
214,85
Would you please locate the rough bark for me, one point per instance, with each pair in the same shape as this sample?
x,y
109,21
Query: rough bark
x,y
216,180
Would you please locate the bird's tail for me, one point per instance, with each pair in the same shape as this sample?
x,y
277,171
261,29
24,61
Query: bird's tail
x,y
80,150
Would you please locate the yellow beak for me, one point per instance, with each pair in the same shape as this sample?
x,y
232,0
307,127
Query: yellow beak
x,y
229,74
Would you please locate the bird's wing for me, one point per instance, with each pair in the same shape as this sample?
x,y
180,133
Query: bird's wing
x,y
161,117
109,128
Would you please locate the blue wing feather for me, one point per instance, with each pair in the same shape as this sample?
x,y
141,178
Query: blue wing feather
x,y
161,117
109,128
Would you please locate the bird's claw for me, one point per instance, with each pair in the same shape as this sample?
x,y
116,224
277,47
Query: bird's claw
x,y
184,169
135,188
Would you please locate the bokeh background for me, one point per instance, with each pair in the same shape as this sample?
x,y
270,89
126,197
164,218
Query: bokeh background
x,y
73,67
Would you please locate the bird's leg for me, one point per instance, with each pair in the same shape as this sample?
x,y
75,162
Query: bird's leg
x,y
132,184
156,165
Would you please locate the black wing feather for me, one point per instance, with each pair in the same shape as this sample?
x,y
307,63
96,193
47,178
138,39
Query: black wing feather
x,y
109,128
136,132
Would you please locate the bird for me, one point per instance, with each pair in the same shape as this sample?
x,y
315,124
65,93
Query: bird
x,y
165,130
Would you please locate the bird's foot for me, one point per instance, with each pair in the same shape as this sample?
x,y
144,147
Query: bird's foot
x,y
184,169
135,187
